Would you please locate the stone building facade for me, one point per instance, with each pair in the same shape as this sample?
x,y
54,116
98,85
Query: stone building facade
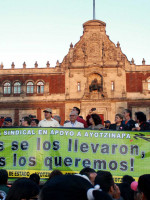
x,y
94,73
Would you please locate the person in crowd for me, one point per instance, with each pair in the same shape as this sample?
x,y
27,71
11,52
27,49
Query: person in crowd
x,y
91,111
79,119
143,191
66,121
23,189
54,173
1,121
141,124
3,183
71,187
106,182
73,121
90,173
57,118
118,123
7,122
48,121
25,121
127,179
128,123
35,177
126,192
107,124
96,122
34,122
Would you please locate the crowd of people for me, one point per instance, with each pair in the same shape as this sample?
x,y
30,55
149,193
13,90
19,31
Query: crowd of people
x,y
87,185
93,121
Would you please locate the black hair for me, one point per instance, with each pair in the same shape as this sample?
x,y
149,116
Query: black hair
x,y
35,177
65,187
101,172
127,179
54,173
96,118
36,121
23,188
27,119
105,180
140,116
87,171
144,185
126,192
119,115
77,109
3,177
129,111
100,195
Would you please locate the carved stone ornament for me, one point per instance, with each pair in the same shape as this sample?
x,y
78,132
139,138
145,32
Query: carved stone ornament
x,y
95,86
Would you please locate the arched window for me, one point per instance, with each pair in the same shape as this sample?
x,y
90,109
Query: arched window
x,y
17,88
7,88
148,84
30,87
40,87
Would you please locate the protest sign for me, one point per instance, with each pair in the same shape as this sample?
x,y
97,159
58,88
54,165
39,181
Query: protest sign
x,y
24,151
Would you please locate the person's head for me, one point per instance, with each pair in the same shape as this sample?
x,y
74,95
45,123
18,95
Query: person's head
x,y
107,123
65,187
23,189
127,179
25,121
95,119
7,122
90,173
57,118
118,118
48,113
54,173
76,109
35,178
34,122
127,114
140,117
3,177
126,192
143,191
106,182
73,116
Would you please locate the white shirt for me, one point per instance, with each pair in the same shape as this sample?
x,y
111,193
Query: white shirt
x,y
75,125
47,123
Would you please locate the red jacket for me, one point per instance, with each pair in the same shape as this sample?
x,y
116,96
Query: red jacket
x,y
82,121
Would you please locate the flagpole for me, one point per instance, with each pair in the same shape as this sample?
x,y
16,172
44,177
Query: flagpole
x,y
93,9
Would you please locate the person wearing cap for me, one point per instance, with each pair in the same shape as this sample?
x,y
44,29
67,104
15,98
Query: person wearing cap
x,y
48,121
107,124
73,121
7,122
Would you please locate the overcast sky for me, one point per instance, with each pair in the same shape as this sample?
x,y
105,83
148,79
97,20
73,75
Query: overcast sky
x,y
42,30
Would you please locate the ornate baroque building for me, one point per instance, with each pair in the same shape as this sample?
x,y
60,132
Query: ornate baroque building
x,y
94,73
